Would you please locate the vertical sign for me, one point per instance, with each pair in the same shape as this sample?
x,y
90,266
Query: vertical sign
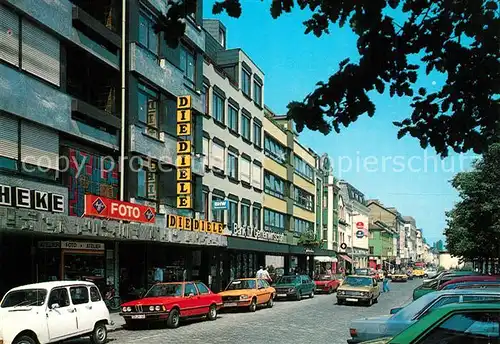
x,y
184,129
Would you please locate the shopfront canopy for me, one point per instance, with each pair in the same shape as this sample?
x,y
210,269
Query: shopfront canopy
x,y
346,258
325,259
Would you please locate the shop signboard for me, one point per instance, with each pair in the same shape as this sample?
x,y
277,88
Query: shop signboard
x,y
189,224
96,206
360,234
184,131
79,245
14,196
360,225
220,205
255,233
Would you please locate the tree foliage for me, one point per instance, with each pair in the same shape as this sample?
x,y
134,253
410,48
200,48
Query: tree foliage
x,y
473,229
459,38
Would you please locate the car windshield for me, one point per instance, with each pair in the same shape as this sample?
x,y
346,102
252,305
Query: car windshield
x,y
324,278
409,311
158,290
287,279
241,284
358,281
362,271
24,297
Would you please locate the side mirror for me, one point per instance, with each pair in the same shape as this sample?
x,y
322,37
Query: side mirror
x,y
395,310
54,306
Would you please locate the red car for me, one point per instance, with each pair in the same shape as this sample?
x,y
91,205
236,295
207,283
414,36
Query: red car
x,y
169,302
463,279
326,283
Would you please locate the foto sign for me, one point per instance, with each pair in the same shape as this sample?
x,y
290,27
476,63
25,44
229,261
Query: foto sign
x,y
184,130
220,205
97,206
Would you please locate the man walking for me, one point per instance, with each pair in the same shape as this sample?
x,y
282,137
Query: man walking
x,y
263,274
385,283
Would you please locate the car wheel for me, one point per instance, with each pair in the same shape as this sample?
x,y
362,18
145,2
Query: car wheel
x,y
370,302
298,296
253,305
270,303
24,340
375,300
340,302
312,294
212,313
173,319
99,334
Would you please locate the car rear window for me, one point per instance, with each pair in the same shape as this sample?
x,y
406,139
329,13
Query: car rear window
x,y
24,297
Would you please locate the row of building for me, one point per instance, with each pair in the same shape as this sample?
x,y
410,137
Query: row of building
x,y
125,161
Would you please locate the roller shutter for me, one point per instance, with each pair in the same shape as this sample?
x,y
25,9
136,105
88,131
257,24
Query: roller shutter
x,y
39,146
9,137
9,36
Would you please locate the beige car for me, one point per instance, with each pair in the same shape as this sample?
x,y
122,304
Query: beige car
x,y
358,289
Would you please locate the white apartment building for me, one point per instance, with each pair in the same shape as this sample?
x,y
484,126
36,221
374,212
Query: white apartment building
x,y
233,98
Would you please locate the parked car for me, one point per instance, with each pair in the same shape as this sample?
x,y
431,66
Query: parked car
x,y
418,273
400,318
170,302
473,285
480,278
474,323
248,293
434,284
326,283
429,273
358,289
294,286
50,312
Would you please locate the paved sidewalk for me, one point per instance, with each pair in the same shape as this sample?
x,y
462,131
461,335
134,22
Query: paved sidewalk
x,y
118,322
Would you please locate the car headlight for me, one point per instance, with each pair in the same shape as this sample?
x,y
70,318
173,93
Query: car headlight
x,y
124,309
129,309
340,292
157,308
151,308
243,297
366,293
291,290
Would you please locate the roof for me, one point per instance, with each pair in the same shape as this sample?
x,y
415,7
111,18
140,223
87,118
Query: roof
x,y
53,284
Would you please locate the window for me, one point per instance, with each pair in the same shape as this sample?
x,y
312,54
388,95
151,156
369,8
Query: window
x,y
274,150
474,327
245,215
147,36
256,217
218,108
232,165
205,99
303,198
148,109
232,214
222,38
95,296
190,289
257,176
59,296
274,221
302,226
257,93
148,180
217,156
274,185
245,127
206,151
232,117
245,81
257,134
202,288
302,168
245,170
188,64
79,295
217,215
205,204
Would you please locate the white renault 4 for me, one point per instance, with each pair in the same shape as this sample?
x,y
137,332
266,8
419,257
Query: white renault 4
x,y
53,311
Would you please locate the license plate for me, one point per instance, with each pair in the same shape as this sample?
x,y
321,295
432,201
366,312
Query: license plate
x,y
351,300
230,304
139,316
281,295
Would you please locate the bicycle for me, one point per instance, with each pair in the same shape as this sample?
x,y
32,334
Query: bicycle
x,y
113,303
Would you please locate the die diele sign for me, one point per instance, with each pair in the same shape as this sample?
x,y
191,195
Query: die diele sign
x,y
184,131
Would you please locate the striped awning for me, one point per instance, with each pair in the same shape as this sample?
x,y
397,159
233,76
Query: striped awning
x,y
346,258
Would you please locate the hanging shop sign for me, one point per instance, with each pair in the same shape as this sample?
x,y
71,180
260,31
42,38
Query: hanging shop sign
x,y
360,225
220,205
255,233
72,245
97,206
190,224
360,234
343,246
14,196
184,130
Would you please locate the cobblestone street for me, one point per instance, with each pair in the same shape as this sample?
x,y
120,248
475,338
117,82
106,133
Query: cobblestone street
x,y
318,320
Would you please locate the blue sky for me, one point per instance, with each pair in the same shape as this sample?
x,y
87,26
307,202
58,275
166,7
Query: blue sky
x,y
367,154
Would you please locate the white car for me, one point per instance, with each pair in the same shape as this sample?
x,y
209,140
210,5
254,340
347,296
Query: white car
x,y
53,311
430,273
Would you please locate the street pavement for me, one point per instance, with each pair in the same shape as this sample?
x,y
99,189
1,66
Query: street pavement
x,y
319,320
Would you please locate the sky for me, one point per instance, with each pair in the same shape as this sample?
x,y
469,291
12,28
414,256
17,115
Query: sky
x,y
367,154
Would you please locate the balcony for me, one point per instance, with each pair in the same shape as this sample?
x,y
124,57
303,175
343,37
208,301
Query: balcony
x,y
98,15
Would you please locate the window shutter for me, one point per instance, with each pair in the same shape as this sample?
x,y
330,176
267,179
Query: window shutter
x,y
9,137
9,36
218,156
256,176
39,146
245,170
41,53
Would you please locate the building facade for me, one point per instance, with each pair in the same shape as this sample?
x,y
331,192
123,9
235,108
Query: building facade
x,y
383,236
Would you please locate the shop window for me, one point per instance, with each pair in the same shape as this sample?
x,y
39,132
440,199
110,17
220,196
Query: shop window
x,y
59,296
147,187
95,296
148,101
203,289
188,64
245,215
79,295
256,217
147,36
190,289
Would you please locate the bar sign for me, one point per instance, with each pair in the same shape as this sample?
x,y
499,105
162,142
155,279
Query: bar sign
x,y
184,131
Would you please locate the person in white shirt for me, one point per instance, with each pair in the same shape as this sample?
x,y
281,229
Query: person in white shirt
x,y
263,274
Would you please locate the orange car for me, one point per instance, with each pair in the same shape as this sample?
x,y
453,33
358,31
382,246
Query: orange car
x,y
249,293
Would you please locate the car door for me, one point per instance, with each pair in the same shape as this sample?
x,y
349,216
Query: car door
x,y
376,288
306,285
204,296
192,303
262,293
61,316
84,313
269,290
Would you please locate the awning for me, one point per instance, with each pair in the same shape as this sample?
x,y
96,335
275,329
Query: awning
x,y
325,259
346,258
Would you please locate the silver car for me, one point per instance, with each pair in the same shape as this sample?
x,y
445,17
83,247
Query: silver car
x,y
401,318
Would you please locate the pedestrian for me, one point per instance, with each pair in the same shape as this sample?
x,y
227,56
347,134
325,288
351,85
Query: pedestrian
x,y
260,272
263,274
385,283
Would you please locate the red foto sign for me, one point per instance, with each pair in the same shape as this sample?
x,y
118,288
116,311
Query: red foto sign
x,y
360,225
98,206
